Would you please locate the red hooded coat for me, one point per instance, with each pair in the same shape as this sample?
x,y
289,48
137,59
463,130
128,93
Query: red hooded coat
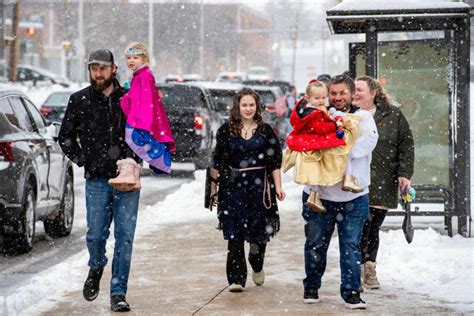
x,y
312,129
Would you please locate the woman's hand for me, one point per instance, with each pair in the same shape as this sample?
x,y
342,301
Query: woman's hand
x,y
280,194
404,183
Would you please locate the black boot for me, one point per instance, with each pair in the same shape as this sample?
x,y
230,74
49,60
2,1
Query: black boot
x,y
119,304
91,286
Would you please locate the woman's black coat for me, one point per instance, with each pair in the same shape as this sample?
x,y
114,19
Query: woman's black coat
x,y
273,158
393,156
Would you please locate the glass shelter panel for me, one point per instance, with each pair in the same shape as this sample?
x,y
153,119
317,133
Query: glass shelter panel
x,y
415,75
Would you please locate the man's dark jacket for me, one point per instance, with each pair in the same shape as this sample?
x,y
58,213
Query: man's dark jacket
x,y
93,132
393,156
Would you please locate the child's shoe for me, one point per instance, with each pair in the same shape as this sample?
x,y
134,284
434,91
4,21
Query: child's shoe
x,y
137,172
350,184
314,202
126,180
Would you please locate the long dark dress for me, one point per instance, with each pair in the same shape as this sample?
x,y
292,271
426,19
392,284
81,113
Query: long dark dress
x,y
241,210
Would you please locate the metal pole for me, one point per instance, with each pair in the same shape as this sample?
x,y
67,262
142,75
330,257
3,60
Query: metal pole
x,y
294,37
81,52
150,33
51,26
371,39
201,42
238,37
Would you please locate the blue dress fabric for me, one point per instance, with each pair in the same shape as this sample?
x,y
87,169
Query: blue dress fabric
x,y
242,213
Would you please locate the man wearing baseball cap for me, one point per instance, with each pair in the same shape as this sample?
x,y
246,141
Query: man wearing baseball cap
x,y
92,136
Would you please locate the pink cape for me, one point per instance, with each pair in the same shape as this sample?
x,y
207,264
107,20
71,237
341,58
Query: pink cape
x,y
144,110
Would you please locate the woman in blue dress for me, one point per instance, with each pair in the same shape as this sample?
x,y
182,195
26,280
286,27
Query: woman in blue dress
x,y
246,166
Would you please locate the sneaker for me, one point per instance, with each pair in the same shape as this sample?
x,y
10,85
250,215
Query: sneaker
x,y
314,202
310,296
236,288
119,304
91,286
353,301
258,277
350,184
370,280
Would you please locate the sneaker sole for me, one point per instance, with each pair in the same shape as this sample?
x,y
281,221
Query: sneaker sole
x,y
356,306
311,300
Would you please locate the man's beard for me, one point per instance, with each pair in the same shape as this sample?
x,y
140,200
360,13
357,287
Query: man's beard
x,y
101,86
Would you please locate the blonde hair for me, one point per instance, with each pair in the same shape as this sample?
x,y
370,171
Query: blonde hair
x,y
138,48
314,84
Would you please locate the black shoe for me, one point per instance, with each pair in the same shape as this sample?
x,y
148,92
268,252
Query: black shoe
x,y
91,286
119,304
353,301
310,296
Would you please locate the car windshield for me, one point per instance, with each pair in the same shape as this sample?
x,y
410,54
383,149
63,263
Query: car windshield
x,y
223,99
181,96
267,97
58,99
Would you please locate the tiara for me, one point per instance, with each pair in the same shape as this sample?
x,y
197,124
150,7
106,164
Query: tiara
x,y
134,51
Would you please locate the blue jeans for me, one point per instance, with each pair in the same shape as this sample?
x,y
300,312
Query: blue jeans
x,y
349,218
105,204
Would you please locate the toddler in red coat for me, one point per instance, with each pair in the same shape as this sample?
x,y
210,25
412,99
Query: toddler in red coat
x,y
317,128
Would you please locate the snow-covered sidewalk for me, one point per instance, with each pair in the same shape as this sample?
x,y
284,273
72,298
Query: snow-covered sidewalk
x,y
179,266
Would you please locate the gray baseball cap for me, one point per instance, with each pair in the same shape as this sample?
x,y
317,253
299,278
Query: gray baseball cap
x,y
101,56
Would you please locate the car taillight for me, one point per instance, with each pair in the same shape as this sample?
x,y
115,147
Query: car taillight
x,y
6,152
45,110
198,121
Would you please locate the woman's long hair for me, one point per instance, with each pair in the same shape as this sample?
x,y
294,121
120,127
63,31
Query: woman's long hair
x,y
381,97
235,119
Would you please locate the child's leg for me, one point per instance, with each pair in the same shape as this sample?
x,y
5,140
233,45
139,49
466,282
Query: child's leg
x,y
349,167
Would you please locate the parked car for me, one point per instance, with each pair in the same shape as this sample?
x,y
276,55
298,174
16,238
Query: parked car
x,y
283,85
193,120
234,77
36,76
37,178
183,78
221,95
54,106
258,73
275,108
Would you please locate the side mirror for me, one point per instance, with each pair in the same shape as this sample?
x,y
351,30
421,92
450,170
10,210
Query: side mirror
x,y
53,130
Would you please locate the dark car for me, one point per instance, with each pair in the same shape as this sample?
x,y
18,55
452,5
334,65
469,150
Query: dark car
x,y
221,95
274,108
36,177
193,120
283,85
55,105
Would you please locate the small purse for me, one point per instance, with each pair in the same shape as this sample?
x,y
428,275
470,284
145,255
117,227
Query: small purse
x,y
209,200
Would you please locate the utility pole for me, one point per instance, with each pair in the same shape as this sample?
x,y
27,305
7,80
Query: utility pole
x,y
15,46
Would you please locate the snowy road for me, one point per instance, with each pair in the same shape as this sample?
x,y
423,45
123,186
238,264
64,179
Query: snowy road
x,y
16,271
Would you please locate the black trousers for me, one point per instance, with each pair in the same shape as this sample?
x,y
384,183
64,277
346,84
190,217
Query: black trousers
x,y
369,244
237,267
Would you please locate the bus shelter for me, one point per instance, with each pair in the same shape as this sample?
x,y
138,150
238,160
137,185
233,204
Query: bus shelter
x,y
420,53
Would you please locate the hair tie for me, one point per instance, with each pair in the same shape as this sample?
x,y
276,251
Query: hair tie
x,y
313,81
